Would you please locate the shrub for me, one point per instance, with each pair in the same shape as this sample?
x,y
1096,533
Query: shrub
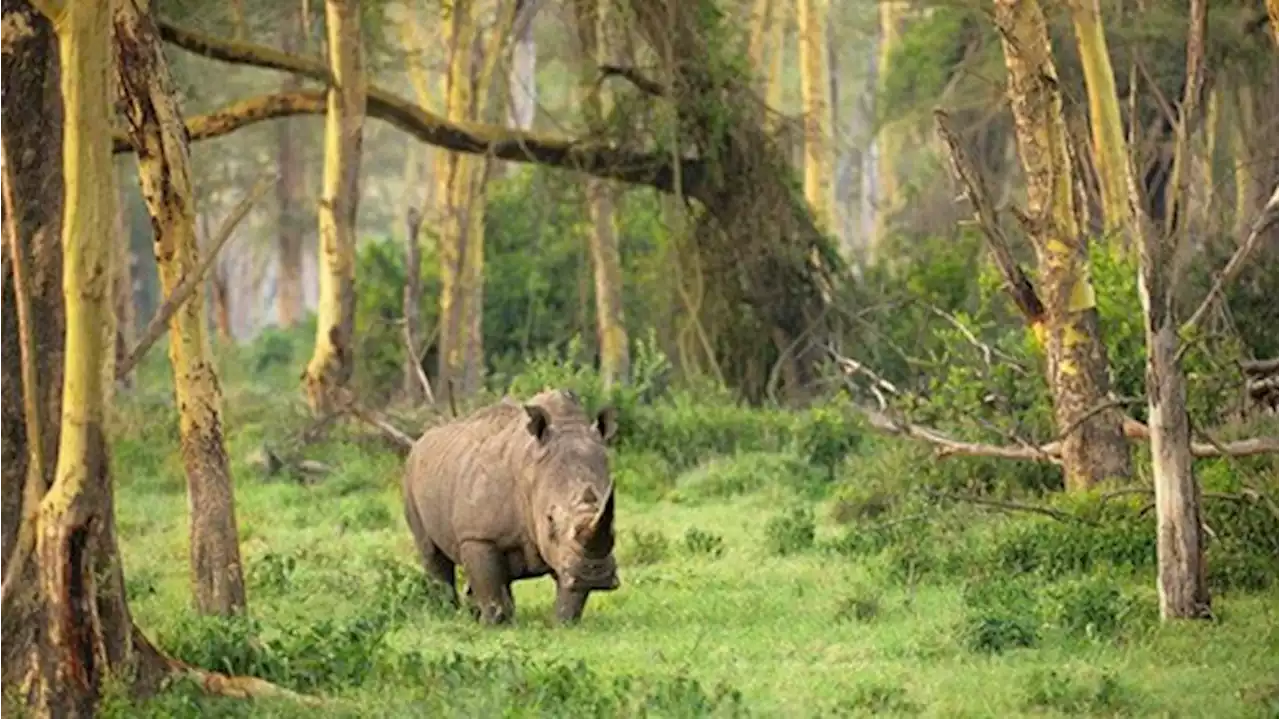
x,y
1000,614
1094,607
272,573
642,475
643,547
700,543
790,532
741,474
861,606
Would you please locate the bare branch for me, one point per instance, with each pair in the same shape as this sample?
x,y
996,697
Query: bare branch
x,y
975,188
1011,506
600,159
187,288
632,75
1236,263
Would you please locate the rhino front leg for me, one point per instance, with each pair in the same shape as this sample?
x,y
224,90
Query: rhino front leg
x,y
487,582
570,603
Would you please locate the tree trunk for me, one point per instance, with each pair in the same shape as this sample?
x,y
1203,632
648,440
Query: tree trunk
x,y
332,361
126,318
1095,448
815,76
461,180
155,124
1244,175
597,48
1182,580
1107,129
524,68
32,110
290,198
72,573
889,142
413,389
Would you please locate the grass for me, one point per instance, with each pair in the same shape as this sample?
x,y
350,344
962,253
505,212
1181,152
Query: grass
x,y
739,603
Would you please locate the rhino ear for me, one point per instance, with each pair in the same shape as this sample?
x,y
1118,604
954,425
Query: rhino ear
x,y
539,421
607,423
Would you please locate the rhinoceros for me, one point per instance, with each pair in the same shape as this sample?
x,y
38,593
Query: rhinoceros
x,y
515,491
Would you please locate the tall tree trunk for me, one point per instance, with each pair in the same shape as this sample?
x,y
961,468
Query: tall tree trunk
x,y
461,180
1182,581
1243,133
815,78
1094,448
73,661
126,317
776,32
33,203
155,126
332,362
1106,127
596,47
290,197
889,140
523,83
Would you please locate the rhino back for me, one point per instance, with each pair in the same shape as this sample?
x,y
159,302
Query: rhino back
x,y
458,478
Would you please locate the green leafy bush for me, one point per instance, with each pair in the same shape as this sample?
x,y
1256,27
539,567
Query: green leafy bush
x,y
1000,614
700,543
639,546
790,532
744,473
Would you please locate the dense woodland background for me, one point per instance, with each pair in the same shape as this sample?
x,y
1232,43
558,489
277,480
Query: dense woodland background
x,y
943,336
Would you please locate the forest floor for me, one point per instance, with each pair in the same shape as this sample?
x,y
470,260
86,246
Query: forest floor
x,y
731,605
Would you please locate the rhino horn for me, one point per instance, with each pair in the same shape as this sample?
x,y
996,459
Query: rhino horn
x,y
539,421
607,423
598,528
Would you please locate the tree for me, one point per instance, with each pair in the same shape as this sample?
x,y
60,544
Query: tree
x,y
1110,150
332,361
155,125
815,76
460,182
522,83
770,268
1094,448
595,45
290,304
1182,580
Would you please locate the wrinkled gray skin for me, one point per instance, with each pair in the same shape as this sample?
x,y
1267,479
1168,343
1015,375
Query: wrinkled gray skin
x,y
512,492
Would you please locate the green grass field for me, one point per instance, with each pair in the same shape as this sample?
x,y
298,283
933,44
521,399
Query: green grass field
x,y
738,598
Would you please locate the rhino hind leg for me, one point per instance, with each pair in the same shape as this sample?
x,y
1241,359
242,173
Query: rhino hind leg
x,y
436,563
488,585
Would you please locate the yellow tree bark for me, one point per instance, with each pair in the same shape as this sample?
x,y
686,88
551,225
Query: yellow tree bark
x,y
1094,448
889,140
332,361
611,333
86,631
460,181
815,86
1243,131
155,124
1106,126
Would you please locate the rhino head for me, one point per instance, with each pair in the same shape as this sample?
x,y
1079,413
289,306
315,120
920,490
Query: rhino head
x,y
573,501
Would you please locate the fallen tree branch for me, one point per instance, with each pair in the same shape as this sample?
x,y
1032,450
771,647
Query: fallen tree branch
x,y
348,403
1011,506
1235,264
1017,283
187,288
594,158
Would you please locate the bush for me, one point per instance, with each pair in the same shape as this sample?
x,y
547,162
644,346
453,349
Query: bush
x,y
700,543
744,473
791,532
643,547
642,475
862,606
1094,607
1000,614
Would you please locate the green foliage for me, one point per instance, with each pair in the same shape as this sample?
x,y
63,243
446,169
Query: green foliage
x,y
1094,607
790,532
1000,614
874,697
861,606
1095,693
744,473
642,547
701,543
